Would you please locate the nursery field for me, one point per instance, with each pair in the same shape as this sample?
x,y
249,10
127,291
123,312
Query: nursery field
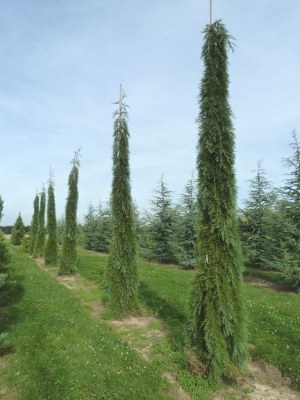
x,y
64,344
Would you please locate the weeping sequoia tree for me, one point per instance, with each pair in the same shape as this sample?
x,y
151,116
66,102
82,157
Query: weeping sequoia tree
x,y
121,274
34,223
217,322
68,259
39,242
51,246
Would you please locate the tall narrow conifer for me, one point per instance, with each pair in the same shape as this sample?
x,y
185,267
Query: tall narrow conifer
x,y
34,223
39,243
51,246
68,259
217,307
121,276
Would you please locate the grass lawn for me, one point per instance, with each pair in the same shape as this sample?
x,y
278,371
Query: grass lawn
x,y
274,319
60,352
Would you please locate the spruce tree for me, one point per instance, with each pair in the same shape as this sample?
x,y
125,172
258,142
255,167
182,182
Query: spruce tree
x,y
34,223
68,259
97,228
18,231
288,261
163,246
121,273
217,322
39,243
256,220
187,227
51,246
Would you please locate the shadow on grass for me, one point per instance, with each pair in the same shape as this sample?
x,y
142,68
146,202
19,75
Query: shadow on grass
x,y
174,318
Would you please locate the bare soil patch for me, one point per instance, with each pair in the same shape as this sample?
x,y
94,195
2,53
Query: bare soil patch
x,y
96,307
141,332
40,261
261,381
176,392
6,393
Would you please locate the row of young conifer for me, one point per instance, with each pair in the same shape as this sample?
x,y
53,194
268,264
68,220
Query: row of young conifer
x,y
43,239
168,233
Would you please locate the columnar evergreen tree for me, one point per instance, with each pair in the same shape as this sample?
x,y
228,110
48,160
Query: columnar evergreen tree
x,y
34,223
121,274
39,243
51,246
256,220
188,226
68,259
163,247
217,307
18,231
1,207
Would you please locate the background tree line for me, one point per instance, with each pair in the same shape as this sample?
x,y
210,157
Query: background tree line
x,y
269,224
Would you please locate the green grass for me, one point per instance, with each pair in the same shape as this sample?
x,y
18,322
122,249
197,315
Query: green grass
x,y
272,276
60,352
274,319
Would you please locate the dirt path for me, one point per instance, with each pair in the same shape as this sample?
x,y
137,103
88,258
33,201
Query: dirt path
x,y
261,381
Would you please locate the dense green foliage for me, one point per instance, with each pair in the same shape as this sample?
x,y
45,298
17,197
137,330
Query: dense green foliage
x,y
269,222
4,260
68,259
18,231
34,223
25,244
187,230
4,252
38,250
217,324
97,229
60,229
51,246
256,221
1,207
162,239
288,262
121,275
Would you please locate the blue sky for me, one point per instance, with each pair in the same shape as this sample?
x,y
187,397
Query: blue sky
x,y
61,65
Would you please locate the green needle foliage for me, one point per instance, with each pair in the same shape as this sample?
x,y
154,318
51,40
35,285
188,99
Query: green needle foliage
x,y
51,247
121,274
34,223
4,253
1,207
217,307
163,246
18,231
41,233
68,259
256,221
